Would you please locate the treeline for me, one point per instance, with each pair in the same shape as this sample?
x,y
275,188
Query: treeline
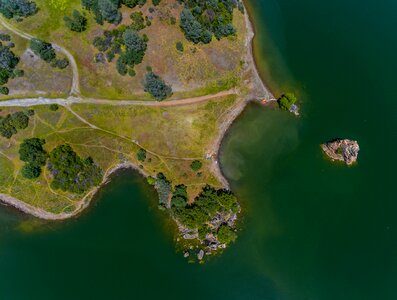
x,y
108,10
17,9
8,63
47,53
12,123
201,20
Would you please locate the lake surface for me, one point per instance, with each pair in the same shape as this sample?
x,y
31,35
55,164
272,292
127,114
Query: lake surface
x,y
312,229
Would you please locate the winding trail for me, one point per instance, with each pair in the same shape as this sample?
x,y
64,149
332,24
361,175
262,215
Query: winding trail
x,y
75,90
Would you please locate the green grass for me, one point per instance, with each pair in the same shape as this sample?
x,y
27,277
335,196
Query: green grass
x,y
173,138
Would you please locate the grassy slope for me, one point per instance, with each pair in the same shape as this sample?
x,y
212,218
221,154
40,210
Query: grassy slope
x,y
211,68
171,139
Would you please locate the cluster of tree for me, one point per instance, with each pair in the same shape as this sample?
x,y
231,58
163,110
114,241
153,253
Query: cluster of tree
x,y
125,42
163,187
200,20
47,53
155,86
77,22
108,10
17,9
31,152
286,101
199,214
8,63
71,172
10,124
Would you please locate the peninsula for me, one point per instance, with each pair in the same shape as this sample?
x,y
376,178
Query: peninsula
x,y
90,87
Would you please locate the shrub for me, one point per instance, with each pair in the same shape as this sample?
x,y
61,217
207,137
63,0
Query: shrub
x,y
196,165
226,235
156,87
156,2
163,187
4,90
141,155
286,101
54,107
179,46
77,22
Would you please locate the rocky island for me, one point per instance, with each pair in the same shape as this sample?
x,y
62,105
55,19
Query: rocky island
x,y
342,149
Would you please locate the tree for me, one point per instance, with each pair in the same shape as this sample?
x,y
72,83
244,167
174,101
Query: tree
x,y
30,171
77,22
196,165
32,151
286,101
156,2
72,173
156,86
226,235
110,11
8,63
17,8
54,107
43,49
141,155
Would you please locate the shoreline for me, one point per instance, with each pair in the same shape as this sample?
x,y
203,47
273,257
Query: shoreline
x,y
258,90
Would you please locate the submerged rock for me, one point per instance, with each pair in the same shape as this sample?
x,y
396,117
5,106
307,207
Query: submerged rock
x,y
342,149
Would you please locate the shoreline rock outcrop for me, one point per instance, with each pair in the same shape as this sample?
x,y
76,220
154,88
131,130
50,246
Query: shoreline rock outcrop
x,y
342,149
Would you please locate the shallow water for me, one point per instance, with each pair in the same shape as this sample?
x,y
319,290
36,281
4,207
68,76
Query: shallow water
x,y
312,229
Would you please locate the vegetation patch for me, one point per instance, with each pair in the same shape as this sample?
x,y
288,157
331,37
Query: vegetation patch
x,y
47,53
12,123
17,9
72,173
8,63
156,87
31,151
286,101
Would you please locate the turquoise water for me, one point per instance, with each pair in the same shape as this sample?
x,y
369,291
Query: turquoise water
x,y
312,229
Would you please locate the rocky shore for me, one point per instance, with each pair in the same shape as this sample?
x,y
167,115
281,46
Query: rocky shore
x,y
342,149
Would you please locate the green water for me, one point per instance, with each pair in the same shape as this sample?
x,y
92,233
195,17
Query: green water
x,y
312,229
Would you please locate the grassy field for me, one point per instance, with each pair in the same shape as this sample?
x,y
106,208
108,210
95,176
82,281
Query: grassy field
x,y
173,137
199,70
39,78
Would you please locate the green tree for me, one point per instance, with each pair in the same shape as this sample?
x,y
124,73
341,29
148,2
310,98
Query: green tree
x,y
141,155
30,171
286,101
77,22
226,235
43,49
156,87
17,8
32,151
196,165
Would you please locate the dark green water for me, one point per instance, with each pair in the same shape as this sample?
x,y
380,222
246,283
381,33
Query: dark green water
x,y
312,229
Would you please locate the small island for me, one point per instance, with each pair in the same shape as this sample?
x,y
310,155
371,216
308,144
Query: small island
x,y
342,149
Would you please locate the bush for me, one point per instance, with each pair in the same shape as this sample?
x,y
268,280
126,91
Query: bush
x,y
196,165
4,90
179,46
163,187
141,155
60,63
156,87
8,63
17,8
54,107
226,235
43,49
77,22
156,2
286,101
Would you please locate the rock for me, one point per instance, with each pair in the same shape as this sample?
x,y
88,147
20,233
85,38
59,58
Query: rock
x,y
186,254
188,236
200,255
342,149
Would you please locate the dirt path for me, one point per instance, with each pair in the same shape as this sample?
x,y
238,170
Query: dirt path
x,y
75,90
81,100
